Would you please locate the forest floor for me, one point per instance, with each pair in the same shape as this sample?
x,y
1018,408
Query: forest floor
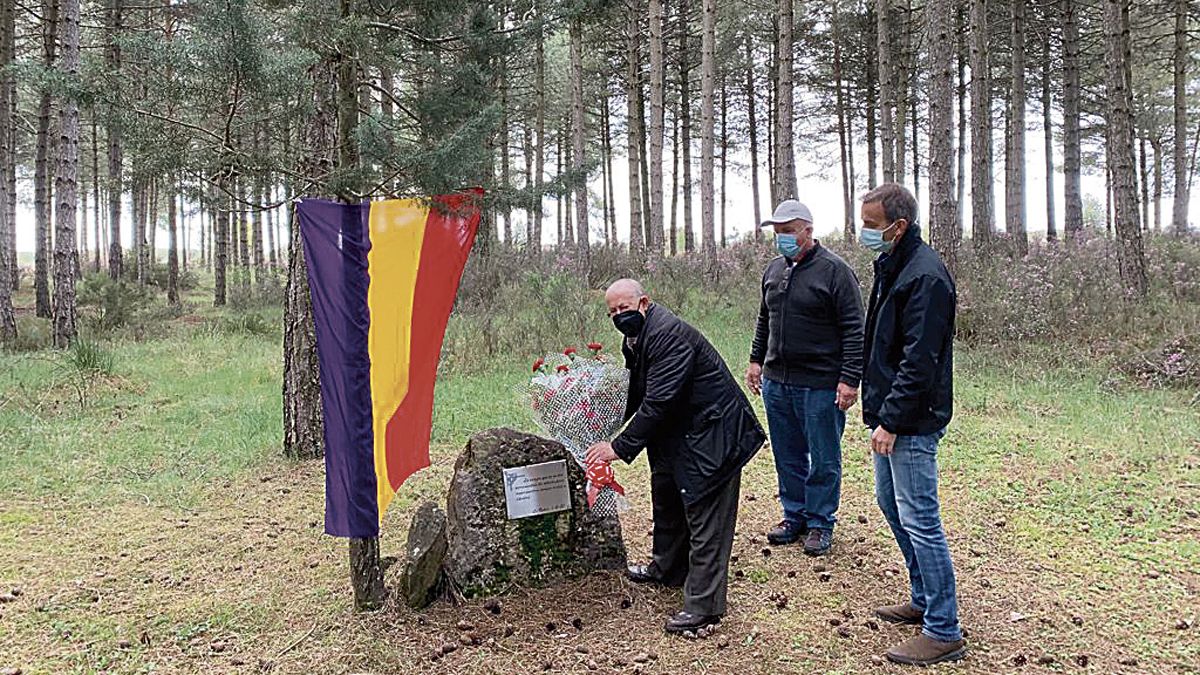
x,y
148,523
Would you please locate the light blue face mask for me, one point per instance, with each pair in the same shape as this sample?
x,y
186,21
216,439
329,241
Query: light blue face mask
x,y
787,245
873,239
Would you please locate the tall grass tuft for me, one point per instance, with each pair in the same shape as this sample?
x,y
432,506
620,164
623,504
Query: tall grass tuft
x,y
89,358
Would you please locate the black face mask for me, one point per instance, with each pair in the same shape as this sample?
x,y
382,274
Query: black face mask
x,y
629,323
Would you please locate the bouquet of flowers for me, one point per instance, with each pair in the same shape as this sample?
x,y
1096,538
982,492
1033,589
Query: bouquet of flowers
x,y
580,400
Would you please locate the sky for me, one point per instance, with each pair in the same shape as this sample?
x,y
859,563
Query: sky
x,y
819,183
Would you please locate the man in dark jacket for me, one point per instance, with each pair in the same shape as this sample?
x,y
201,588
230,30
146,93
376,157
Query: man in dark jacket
x,y
907,403
806,362
699,430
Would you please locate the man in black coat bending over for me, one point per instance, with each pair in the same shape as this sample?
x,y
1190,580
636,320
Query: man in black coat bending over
x,y
698,429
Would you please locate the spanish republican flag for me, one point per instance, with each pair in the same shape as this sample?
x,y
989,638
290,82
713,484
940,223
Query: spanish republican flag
x,y
383,277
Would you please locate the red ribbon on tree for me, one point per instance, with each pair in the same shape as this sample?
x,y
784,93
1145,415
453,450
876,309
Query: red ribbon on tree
x,y
600,475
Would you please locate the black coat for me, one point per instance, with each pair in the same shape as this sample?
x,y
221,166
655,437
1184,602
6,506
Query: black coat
x,y
686,408
908,377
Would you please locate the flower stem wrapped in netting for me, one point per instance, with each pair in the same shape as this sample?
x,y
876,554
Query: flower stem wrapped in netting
x,y
579,401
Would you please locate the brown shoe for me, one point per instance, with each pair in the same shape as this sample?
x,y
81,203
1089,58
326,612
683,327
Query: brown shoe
x,y
903,614
922,650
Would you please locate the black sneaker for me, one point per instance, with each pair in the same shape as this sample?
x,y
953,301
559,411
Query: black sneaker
x,y
786,532
818,542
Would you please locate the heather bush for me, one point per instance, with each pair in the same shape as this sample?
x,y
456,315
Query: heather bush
x,y
1064,295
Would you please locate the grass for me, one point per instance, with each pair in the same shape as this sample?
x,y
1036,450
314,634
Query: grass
x,y
152,525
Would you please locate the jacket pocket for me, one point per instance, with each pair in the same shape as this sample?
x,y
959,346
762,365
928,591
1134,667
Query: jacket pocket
x,y
706,442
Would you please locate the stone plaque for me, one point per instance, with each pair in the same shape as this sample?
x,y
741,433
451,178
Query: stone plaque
x,y
536,489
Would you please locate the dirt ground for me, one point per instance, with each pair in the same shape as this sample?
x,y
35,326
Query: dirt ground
x,y
247,582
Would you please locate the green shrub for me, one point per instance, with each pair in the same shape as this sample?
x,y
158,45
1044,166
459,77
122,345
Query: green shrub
x,y
33,334
117,303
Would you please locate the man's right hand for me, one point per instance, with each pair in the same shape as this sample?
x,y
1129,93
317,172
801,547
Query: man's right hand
x,y
754,378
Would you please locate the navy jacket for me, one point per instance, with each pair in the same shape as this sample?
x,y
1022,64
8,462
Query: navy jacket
x,y
686,408
908,376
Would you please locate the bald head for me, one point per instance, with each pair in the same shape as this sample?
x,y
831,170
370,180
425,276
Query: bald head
x,y
625,295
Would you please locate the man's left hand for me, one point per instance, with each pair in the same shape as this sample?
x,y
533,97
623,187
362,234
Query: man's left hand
x,y
846,396
601,452
883,441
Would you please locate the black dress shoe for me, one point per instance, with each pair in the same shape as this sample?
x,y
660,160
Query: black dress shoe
x,y
649,574
686,621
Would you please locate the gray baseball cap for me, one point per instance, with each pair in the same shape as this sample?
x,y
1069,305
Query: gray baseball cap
x,y
787,211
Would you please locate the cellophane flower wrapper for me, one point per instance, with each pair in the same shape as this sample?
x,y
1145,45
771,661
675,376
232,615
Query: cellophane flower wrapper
x,y
579,401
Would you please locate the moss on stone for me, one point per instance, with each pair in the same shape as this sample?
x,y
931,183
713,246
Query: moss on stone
x,y
539,541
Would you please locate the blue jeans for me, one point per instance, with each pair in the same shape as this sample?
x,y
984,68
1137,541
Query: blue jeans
x,y
806,438
906,489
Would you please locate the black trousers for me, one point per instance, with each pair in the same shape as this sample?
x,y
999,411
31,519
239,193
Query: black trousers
x,y
693,543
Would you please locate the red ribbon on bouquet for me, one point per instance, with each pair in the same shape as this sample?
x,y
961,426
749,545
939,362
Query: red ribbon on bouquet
x,y
600,475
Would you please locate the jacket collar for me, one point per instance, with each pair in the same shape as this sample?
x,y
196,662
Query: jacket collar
x,y
890,262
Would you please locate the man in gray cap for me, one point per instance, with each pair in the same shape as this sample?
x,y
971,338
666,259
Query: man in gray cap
x,y
806,362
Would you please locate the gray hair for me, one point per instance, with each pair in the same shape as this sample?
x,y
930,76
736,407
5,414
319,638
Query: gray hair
x,y
626,288
898,203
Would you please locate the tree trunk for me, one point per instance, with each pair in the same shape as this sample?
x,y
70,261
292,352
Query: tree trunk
x,y
41,170
916,146
558,198
785,169
884,34
960,181
96,208
219,244
151,213
505,147
685,121
66,186
1156,145
81,253
708,68
605,173
633,122
1072,156
1144,182
172,250
673,237
842,114
539,171
724,157
753,118
1179,210
1048,130
943,211
184,226
870,95
772,109
245,225
256,231
1130,255
112,56
1014,155
268,197
608,163
901,35
139,227
579,131
530,189
982,201
8,250
655,12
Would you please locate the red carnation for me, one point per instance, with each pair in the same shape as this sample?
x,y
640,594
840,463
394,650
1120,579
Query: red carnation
x,y
537,365
570,351
563,368
595,346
